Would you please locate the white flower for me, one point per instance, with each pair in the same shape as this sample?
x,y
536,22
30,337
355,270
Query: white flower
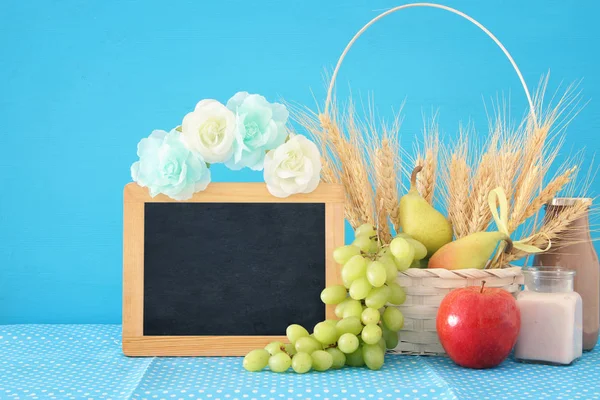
x,y
209,130
294,167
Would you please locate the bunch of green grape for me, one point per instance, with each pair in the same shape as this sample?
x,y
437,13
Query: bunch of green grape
x,y
367,325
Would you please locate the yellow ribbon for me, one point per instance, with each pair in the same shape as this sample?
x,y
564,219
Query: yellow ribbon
x,y
499,208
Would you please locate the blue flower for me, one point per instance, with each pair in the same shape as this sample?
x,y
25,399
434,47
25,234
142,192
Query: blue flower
x,y
167,166
260,126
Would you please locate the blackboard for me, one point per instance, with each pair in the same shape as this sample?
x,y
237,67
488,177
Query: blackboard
x,y
232,268
227,270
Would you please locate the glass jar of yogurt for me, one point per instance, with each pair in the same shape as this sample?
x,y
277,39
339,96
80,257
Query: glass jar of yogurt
x,y
551,317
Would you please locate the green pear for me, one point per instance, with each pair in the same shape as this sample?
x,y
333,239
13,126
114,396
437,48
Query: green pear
x,y
472,251
421,221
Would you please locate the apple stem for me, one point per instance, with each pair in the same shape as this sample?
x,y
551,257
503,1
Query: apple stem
x,y
482,285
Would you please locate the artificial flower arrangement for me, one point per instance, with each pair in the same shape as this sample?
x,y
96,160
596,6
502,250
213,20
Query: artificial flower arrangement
x,y
247,132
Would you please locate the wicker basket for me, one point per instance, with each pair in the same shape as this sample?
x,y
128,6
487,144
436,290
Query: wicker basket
x,y
425,289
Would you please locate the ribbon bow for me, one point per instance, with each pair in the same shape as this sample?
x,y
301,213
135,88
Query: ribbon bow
x,y
499,208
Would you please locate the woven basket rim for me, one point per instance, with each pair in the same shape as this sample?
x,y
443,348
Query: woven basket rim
x,y
460,273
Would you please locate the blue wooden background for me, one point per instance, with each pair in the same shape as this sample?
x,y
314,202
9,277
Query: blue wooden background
x,y
83,81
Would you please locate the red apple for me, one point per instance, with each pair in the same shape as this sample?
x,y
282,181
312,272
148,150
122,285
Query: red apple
x,y
478,326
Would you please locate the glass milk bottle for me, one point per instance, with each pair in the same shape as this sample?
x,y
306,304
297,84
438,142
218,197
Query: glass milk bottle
x,y
551,317
579,255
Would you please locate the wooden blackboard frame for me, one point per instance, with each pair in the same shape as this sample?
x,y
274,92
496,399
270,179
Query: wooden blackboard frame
x,y
134,342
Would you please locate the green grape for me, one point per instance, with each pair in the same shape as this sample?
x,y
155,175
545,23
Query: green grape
x,y
389,265
384,252
420,249
400,247
256,360
403,264
325,333
403,252
374,246
339,358
355,359
349,325
295,332
376,273
390,337
332,322
360,288
398,295
348,343
393,319
341,255
290,349
352,308
366,230
363,243
307,344
346,281
274,348
366,244
280,362
339,310
378,297
355,268
371,334
321,360
370,316
373,356
302,363
333,294
404,235
381,344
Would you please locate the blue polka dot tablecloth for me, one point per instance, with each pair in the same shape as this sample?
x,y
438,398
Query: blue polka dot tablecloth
x,y
85,362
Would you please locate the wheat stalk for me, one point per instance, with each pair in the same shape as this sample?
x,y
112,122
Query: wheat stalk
x,y
356,164
428,160
340,153
523,197
508,153
547,194
459,207
327,173
455,175
483,183
345,162
386,193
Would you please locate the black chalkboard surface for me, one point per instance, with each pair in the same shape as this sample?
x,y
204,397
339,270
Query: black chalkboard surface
x,y
228,270
232,268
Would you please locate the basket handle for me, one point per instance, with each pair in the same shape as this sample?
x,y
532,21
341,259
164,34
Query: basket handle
x,y
442,7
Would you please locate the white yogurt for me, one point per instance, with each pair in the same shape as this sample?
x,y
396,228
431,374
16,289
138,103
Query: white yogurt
x,y
550,327
551,318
